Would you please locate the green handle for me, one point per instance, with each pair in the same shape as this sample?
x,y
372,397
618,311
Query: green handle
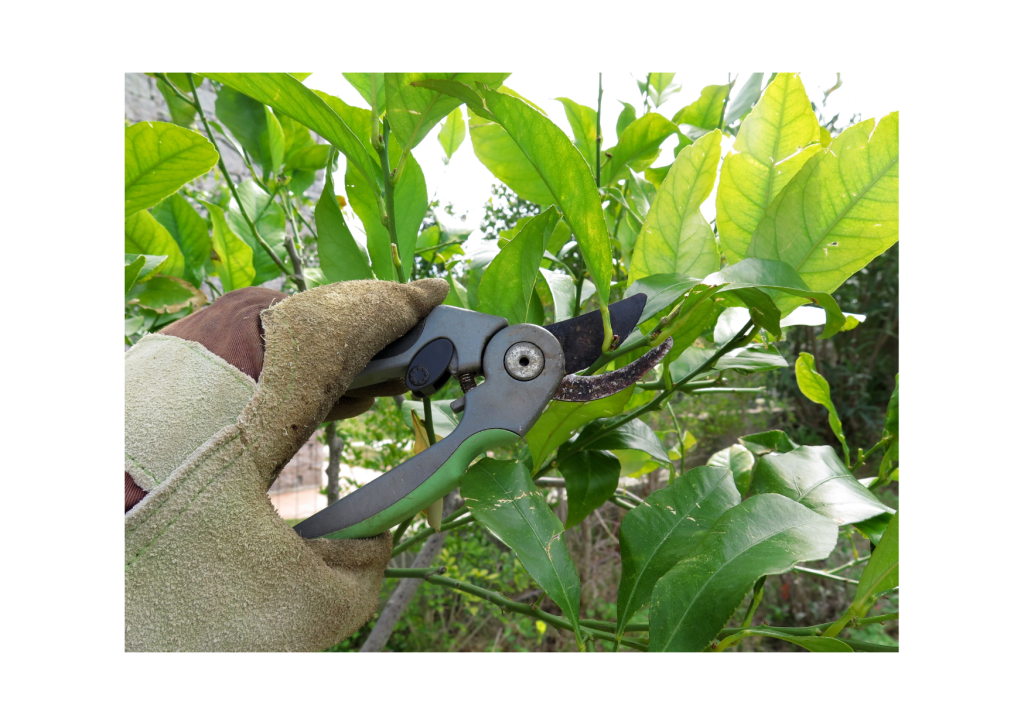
x,y
436,486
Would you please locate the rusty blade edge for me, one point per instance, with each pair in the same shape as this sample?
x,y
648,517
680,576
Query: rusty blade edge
x,y
590,388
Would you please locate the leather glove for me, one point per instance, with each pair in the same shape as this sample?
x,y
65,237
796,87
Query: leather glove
x,y
209,565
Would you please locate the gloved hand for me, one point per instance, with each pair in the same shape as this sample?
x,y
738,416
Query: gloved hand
x,y
209,565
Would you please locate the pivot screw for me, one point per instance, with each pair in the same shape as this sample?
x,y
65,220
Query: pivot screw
x,y
524,361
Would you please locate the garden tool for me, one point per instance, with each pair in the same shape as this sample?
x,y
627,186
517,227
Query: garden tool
x,y
524,367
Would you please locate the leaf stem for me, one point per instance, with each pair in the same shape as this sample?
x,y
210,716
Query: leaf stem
x,y
597,158
389,199
289,242
234,192
428,420
174,89
825,574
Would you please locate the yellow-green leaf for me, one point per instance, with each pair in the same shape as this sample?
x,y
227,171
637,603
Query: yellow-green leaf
x,y
675,237
840,211
815,387
143,235
707,111
775,140
502,156
233,257
159,158
452,133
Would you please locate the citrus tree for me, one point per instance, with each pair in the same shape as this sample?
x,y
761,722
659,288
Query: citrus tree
x,y
797,211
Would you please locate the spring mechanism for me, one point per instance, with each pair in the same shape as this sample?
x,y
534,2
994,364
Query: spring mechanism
x,y
467,381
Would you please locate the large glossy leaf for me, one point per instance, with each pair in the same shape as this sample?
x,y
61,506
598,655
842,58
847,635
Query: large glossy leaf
x,y
269,219
638,145
502,497
775,141
159,158
813,385
768,442
286,95
413,111
752,359
737,460
840,211
634,434
502,156
707,111
340,256
743,100
657,535
506,289
815,477
567,177
675,237
764,535
562,418
232,256
189,231
590,480
143,235
452,133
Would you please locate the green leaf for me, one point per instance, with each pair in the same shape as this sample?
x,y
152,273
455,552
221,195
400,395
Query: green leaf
x,y
457,293
707,111
452,133
370,87
232,256
662,290
764,535
892,412
873,528
768,442
737,460
182,112
626,116
272,142
247,120
413,111
159,158
189,231
590,480
742,102
562,291
675,237
776,140
659,87
152,265
654,537
167,295
567,177
813,643
634,434
133,325
881,573
507,285
502,497
752,359
444,419
502,156
143,235
340,256
638,146
269,219
814,386
561,418
286,95
840,211
816,478
133,265
583,121
309,158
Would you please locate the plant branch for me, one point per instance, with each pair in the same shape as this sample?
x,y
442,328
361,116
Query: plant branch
x,y
234,191
289,242
389,199
416,539
174,89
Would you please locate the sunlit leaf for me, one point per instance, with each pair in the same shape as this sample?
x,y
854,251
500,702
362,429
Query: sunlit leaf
x,y
159,158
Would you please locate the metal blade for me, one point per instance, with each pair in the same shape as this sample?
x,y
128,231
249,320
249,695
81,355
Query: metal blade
x,y
590,388
581,337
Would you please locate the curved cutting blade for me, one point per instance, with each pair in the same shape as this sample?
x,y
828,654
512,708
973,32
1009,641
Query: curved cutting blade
x,y
581,337
590,388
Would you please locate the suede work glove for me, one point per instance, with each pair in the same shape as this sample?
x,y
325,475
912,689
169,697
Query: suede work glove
x,y
215,406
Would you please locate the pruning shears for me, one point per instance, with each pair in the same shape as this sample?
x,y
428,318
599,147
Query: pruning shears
x,y
524,366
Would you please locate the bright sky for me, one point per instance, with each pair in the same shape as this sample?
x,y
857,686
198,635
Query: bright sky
x,y
466,183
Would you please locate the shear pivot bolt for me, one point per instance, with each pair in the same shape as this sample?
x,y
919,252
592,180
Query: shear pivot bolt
x,y
524,361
